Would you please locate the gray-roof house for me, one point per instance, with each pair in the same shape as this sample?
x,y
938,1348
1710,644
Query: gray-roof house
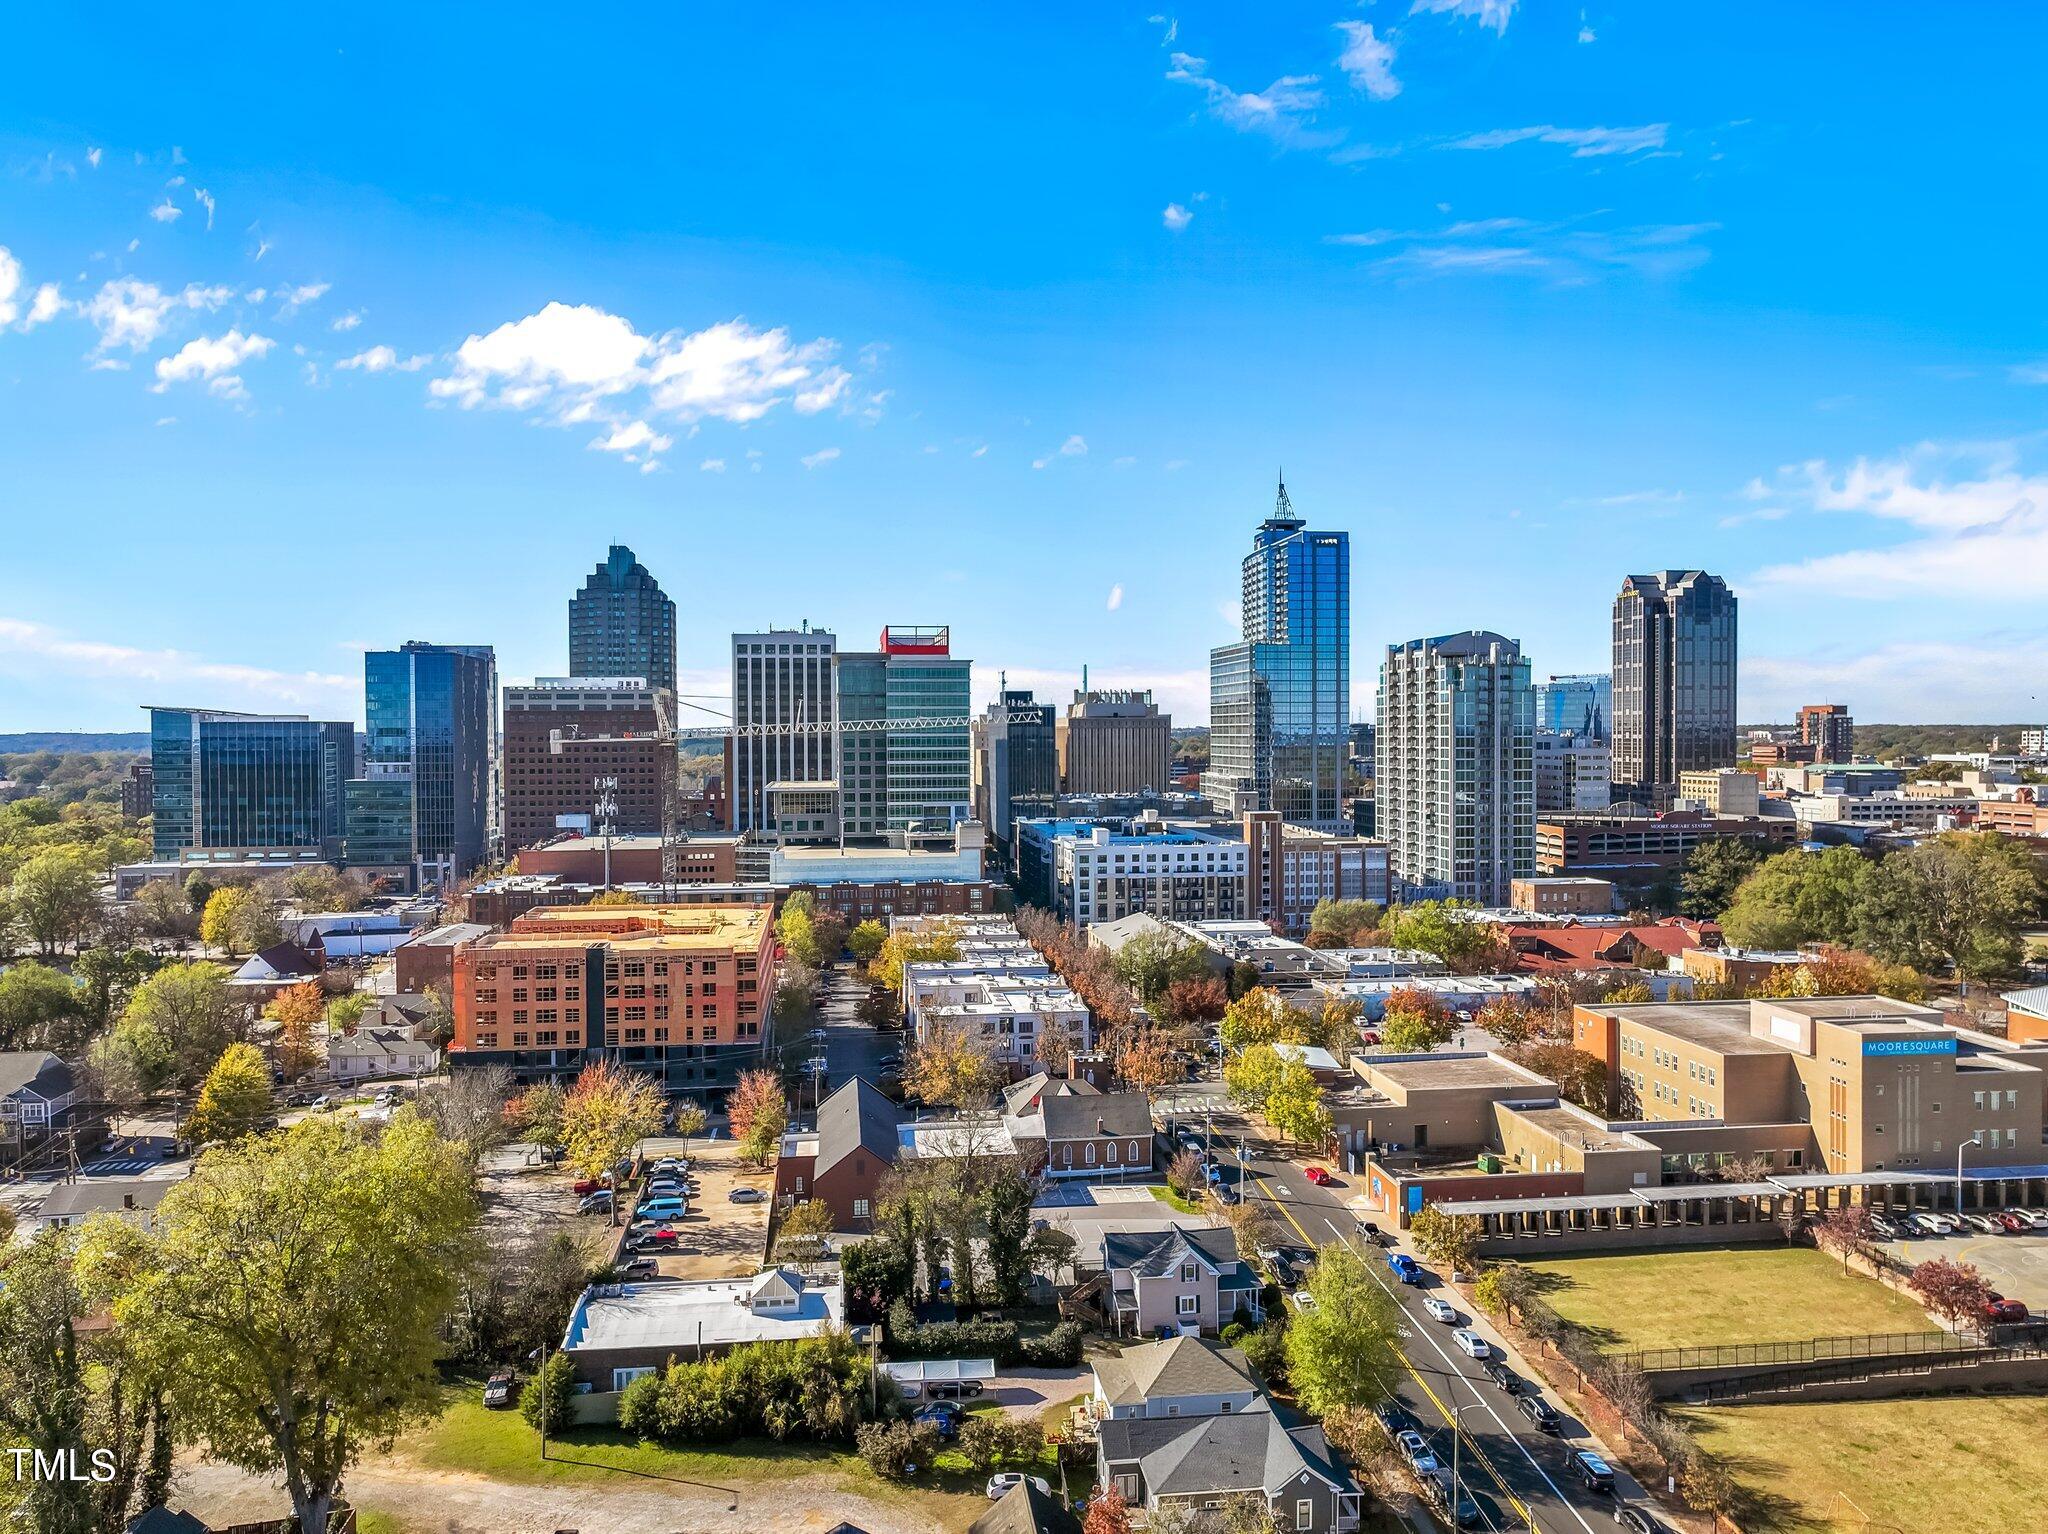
x,y
133,1199
1202,1462
1024,1509
841,1163
1179,1377
1178,1280
1103,1137
36,1093
368,1053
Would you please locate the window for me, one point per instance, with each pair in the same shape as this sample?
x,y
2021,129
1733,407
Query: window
x,y
1127,1487
1188,1304
1088,1153
1304,1513
621,1378
1187,1273
860,1209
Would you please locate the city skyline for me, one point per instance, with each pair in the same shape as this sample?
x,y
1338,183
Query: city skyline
x,y
1497,285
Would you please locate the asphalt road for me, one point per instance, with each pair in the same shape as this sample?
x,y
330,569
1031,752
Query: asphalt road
x,y
1518,1475
849,1046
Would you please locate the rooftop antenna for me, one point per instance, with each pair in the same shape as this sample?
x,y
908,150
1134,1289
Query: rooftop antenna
x,y
1282,506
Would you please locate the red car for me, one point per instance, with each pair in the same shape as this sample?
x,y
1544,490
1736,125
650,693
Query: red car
x,y
584,1185
2012,1222
2002,1309
1318,1176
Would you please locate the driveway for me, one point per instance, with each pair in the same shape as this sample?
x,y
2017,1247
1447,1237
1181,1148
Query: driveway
x,y
1027,1393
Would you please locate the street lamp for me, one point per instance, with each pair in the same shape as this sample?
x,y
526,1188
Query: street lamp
x,y
1975,1139
1457,1437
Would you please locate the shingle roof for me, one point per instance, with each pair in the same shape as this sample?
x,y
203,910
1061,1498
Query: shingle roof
x,y
1179,1366
37,1068
105,1195
1193,1456
1024,1509
1155,1253
856,1117
1017,1097
1117,1113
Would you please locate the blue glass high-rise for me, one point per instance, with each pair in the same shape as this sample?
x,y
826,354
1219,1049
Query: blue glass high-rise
x,y
246,782
1280,701
1579,705
431,716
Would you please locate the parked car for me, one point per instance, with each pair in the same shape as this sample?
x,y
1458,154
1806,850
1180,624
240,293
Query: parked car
x,y
1406,1268
999,1485
663,1186
2011,1223
1541,1413
652,1236
599,1202
640,1267
1440,1310
1214,1173
745,1196
2038,1218
1320,1176
498,1392
1927,1224
1395,1418
945,1390
583,1185
942,1415
1983,1224
1638,1519
321,1103
1188,1139
1884,1227
1455,1504
1370,1232
1594,1473
1496,1369
1999,1308
1415,1449
1470,1343
1371,1036
1226,1194
670,1205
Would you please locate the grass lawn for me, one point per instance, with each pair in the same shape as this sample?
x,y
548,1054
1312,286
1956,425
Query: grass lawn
x,y
1930,1465
1166,1195
1699,1298
500,1446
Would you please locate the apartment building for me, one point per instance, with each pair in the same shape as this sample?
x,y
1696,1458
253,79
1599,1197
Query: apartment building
x,y
1573,772
681,992
1177,875
1829,731
1290,870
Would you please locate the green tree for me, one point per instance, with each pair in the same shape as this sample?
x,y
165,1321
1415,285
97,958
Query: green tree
x,y
35,1004
55,899
1416,1023
298,1294
235,1099
345,1012
173,1029
796,931
1282,1090
1344,919
606,1113
165,912
545,1402
240,919
322,888
1958,900
535,1115
109,974
1151,962
1714,872
1345,1349
1449,1239
865,941
1439,927
1800,897
1259,1016
912,946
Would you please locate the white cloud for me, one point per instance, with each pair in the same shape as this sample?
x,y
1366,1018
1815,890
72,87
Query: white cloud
x,y
1116,598
1282,111
204,198
1983,522
128,312
1572,251
825,392
167,212
382,359
712,466
1979,678
980,452
2030,373
10,284
1488,13
731,371
347,321
48,304
213,359
1584,143
196,297
1074,447
633,437
823,455
292,300
92,157
1586,34
1368,60
42,650
1176,217
1172,29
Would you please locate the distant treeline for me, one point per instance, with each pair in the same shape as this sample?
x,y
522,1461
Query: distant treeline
x,y
65,742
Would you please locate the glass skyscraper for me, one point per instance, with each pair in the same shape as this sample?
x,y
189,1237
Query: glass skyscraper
x,y
1576,705
622,624
246,782
1674,682
431,712
1280,700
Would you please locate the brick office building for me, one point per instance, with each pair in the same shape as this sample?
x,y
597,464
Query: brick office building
x,y
681,992
542,784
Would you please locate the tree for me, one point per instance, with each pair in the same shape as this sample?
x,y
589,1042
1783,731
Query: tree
x,y
801,1232
467,1109
1055,1046
1415,1022
165,913
240,919
173,1029
1343,920
615,897
545,1402
1624,992
877,1273
296,1298
321,888
1451,1240
1954,1291
1502,1289
1202,1000
606,1113
1846,1228
1713,873
795,989
686,1119
437,1027
1107,1513
345,1012
295,1010
35,1002
1795,898
1151,1060
1260,1016
828,929
1152,961
913,946
1580,1076
1441,927
54,898
535,1115
865,941
795,931
1958,900
951,1065
1184,1174
1282,1090
1508,1019
758,1113
877,1008
235,1100
1345,1349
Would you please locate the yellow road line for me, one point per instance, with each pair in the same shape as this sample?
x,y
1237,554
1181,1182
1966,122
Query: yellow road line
x,y
1450,1417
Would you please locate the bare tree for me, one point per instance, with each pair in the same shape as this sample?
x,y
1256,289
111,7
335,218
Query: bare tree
x,y
468,1108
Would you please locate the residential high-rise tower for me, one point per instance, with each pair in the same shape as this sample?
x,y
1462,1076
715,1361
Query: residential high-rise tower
x,y
621,623
1280,699
1830,730
1456,781
1674,682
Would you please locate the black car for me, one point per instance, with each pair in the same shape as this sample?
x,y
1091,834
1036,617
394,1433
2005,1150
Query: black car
x,y
1594,1473
1637,1519
1502,1375
1540,1412
1396,1418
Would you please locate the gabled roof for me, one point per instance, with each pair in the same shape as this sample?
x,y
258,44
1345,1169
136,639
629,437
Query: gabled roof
x,y
2033,1000
35,1069
1122,1114
776,1284
1195,1456
1155,1253
161,1520
371,1042
1024,1509
280,961
1017,1097
856,1117
1179,1366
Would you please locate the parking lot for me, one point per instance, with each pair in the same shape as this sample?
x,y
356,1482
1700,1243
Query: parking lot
x,y
719,1239
2016,1265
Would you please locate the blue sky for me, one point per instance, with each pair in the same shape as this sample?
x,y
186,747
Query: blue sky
x,y
321,333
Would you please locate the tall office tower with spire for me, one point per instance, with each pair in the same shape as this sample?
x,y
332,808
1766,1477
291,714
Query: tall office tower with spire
x,y
1455,782
1280,699
1674,682
621,624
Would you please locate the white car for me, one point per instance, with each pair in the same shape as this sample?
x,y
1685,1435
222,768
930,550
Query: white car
x,y
1415,1449
745,1196
1440,1310
1928,1224
1470,1343
1303,1300
1983,1224
1000,1485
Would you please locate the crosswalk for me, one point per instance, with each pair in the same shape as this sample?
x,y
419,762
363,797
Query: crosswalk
x,y
117,1165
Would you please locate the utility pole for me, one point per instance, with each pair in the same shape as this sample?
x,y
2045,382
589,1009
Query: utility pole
x,y
606,807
